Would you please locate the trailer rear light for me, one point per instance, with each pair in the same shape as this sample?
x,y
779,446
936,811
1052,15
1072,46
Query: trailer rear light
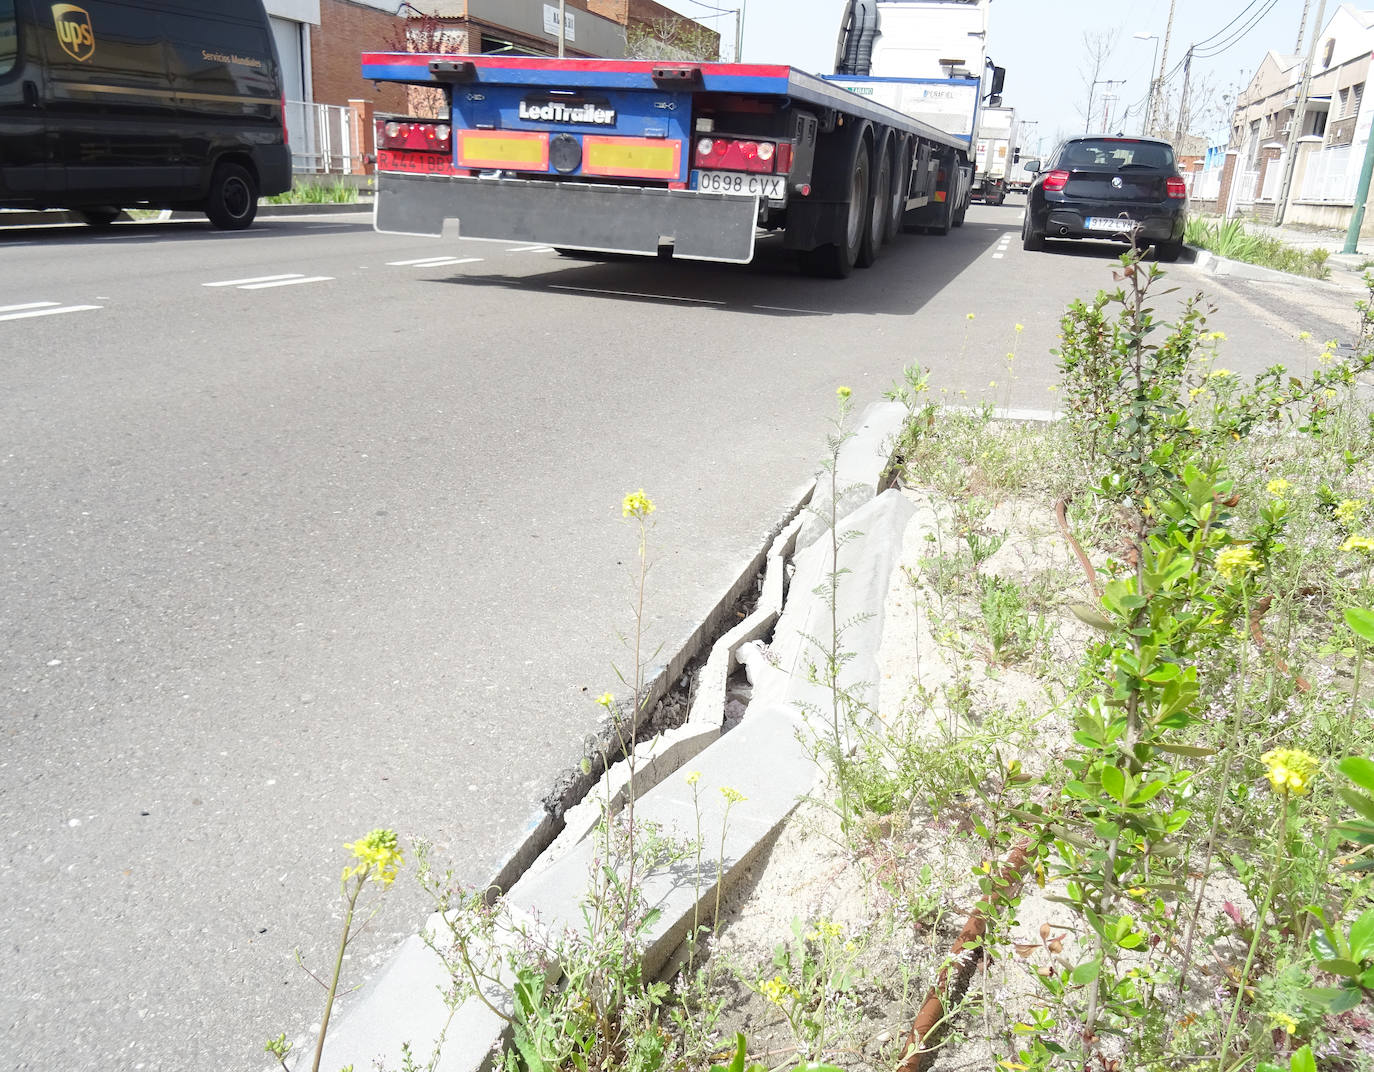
x,y
1056,181
783,161
1175,187
512,150
735,154
407,134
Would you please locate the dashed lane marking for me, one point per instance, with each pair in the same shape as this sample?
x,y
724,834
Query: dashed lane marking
x,y
262,282
32,309
287,282
434,262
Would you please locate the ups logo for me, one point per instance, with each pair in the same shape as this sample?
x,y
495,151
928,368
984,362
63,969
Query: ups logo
x,y
74,31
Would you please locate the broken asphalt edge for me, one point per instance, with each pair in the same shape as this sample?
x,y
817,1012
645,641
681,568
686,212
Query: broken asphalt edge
x,y
403,1003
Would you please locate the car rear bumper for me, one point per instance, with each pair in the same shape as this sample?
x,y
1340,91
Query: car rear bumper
x,y
1152,222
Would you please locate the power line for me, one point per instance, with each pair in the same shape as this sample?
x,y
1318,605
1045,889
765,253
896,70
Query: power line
x,y
1238,36
1245,11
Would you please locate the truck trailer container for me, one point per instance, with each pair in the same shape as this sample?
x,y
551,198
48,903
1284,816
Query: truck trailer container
x,y
695,159
995,155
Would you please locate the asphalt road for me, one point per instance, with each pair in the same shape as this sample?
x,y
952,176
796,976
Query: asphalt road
x,y
282,563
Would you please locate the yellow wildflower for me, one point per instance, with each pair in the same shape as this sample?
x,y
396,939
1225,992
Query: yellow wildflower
x,y
1363,544
1217,336
694,777
1348,512
992,383
1283,1020
1053,388
378,853
606,700
776,989
1220,374
1290,770
1020,328
843,392
732,796
1303,336
969,316
824,929
1237,561
637,504
1277,487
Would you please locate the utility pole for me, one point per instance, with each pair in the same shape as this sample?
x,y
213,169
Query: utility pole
x,y
1302,27
739,30
1182,127
1157,88
1352,234
1299,114
562,26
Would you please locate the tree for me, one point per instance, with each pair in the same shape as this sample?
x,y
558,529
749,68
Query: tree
x,y
422,32
1098,46
671,39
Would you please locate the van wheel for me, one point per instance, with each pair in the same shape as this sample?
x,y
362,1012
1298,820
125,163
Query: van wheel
x,y
233,200
97,215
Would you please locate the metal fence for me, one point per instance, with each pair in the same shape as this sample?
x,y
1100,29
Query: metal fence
x,y
1331,175
322,141
1204,185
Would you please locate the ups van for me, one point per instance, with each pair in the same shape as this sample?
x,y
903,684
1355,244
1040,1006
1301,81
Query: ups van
x,y
106,104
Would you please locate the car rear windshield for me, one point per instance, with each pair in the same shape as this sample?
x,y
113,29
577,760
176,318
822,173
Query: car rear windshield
x,y
1118,153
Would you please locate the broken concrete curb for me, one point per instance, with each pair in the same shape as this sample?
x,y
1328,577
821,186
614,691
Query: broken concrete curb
x,y
767,759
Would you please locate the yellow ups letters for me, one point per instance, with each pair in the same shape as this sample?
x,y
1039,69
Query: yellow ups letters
x,y
74,31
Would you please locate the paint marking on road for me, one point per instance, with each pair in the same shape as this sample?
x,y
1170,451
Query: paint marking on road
x,y
997,256
254,279
288,282
28,305
434,262
49,311
531,249
634,294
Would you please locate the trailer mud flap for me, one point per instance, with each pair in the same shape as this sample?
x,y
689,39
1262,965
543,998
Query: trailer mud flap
x,y
610,219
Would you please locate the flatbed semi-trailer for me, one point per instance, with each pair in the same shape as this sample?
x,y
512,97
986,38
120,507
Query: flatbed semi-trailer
x,y
643,157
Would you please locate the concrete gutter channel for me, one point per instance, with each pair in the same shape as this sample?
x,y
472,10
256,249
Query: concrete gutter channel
x,y
766,758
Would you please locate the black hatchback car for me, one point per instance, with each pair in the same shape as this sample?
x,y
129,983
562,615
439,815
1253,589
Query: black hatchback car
x,y
1115,189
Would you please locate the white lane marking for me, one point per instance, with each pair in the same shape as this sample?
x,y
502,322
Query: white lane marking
x,y
997,256
254,279
288,282
634,294
434,262
50,312
531,249
28,305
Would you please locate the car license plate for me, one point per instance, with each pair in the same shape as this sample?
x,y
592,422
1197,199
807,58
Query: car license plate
x,y
773,187
1114,224
419,163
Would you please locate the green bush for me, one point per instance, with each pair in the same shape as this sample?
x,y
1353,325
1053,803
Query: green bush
x,y
1230,239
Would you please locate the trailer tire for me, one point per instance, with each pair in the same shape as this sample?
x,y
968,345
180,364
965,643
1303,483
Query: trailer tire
x,y
963,211
901,183
835,260
875,231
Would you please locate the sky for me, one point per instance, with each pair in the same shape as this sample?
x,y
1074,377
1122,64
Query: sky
x,y
1041,44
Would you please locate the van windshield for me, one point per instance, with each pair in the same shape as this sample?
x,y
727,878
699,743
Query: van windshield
x,y
9,37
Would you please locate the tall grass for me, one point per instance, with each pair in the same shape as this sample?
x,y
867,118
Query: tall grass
x,y
1230,239
332,191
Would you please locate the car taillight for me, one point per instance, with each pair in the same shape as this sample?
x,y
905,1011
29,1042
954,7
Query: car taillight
x,y
1056,181
1175,187
735,154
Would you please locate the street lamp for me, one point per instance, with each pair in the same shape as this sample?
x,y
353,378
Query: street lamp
x,y
1154,83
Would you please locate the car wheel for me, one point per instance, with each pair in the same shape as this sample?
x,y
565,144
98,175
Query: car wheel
x,y
1029,238
97,215
233,199
1168,251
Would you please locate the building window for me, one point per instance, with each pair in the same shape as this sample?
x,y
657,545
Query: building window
x,y
1353,96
